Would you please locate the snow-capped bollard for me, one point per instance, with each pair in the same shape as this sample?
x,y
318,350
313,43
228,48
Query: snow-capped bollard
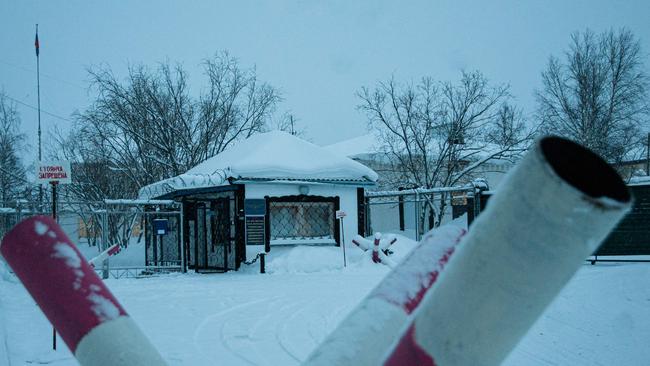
x,y
549,214
90,320
366,334
377,247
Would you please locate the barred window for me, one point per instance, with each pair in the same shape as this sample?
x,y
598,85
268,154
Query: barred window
x,y
301,221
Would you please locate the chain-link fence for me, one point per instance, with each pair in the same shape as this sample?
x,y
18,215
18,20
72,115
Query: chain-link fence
x,y
94,226
413,212
302,221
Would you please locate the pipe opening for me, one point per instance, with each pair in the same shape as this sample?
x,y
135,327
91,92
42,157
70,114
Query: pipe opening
x,y
584,169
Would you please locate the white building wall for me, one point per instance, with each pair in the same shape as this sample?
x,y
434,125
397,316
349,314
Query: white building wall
x,y
347,198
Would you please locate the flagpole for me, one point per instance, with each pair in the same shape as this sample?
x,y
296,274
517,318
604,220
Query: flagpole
x,y
38,94
40,156
38,89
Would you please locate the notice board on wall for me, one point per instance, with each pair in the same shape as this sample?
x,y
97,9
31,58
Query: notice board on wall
x,y
255,219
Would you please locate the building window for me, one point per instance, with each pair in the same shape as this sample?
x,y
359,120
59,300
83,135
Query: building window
x,y
302,222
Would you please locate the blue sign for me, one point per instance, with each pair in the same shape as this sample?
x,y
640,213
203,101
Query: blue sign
x,y
255,207
160,226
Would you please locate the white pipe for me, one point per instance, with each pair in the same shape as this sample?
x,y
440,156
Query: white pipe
x,y
550,213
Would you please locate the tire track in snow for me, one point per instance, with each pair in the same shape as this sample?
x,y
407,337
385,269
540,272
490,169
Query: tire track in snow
x,y
201,331
266,333
283,325
283,339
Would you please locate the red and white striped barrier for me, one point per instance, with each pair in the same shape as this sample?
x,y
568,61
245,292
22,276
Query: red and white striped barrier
x,y
94,326
111,251
550,213
376,247
366,334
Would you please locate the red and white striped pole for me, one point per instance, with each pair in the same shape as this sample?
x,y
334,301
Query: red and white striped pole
x,y
375,248
94,326
366,334
550,213
111,251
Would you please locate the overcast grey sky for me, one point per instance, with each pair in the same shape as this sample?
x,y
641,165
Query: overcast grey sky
x,y
318,53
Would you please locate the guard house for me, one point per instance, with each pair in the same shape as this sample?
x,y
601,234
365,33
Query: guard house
x,y
269,190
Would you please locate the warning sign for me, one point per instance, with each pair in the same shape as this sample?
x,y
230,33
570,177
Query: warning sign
x,y
58,171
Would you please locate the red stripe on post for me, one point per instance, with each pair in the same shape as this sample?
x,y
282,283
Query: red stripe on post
x,y
375,250
66,288
409,352
114,250
413,272
413,302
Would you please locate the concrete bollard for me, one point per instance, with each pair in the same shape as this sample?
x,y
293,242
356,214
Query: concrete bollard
x,y
549,214
93,324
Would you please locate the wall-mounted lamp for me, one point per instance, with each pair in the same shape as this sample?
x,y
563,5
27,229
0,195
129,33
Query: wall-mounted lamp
x,y
304,190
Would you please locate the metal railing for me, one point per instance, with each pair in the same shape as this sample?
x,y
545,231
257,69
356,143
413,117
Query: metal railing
x,y
97,225
412,212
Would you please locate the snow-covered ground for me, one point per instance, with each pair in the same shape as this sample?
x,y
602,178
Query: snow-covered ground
x,y
245,318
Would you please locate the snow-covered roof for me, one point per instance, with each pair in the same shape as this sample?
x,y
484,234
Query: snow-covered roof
x,y
267,156
356,147
369,146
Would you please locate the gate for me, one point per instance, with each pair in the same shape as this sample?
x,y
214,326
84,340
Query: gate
x,y
210,228
631,237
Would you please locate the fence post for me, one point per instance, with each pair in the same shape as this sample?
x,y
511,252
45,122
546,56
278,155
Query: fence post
x,y
262,264
400,199
368,223
182,239
105,240
417,215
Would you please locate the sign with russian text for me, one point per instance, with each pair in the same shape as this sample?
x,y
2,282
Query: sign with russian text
x,y
255,230
255,220
57,171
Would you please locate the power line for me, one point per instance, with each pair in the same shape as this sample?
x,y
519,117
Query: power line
x,y
31,71
35,108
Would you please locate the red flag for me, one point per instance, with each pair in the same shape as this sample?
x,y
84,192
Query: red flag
x,y
36,42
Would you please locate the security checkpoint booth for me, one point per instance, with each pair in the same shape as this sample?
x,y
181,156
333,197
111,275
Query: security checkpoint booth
x,y
272,189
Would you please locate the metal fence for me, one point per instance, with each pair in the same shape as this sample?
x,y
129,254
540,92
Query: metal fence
x,y
292,221
97,225
413,212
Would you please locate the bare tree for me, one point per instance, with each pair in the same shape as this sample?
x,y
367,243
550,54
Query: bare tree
x,y
598,95
150,128
509,126
289,123
94,179
434,133
12,142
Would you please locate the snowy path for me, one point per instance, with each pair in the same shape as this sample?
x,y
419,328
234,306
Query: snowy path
x,y
602,317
